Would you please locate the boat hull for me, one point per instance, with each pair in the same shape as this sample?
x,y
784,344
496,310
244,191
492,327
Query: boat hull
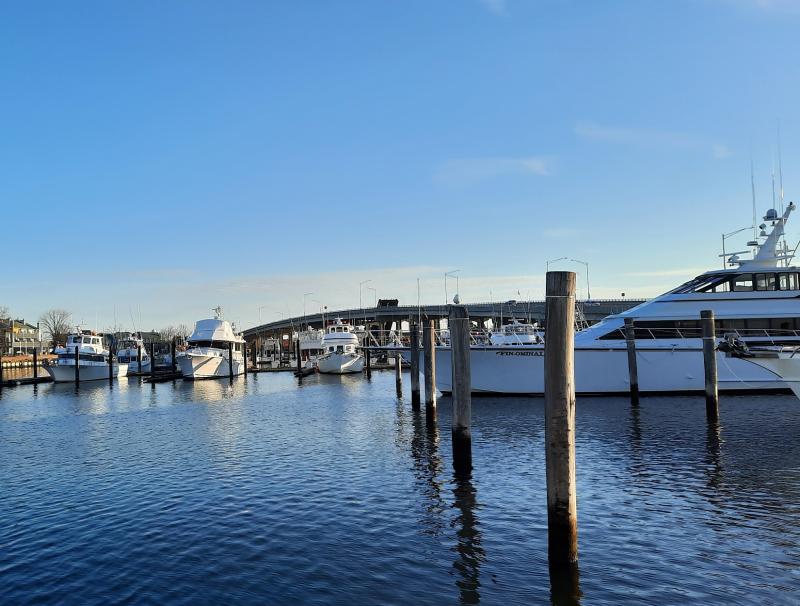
x,y
787,368
340,364
520,370
65,373
199,366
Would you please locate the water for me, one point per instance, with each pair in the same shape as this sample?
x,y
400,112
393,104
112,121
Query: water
x,y
336,493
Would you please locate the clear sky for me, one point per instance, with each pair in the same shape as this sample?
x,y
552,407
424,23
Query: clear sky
x,y
159,158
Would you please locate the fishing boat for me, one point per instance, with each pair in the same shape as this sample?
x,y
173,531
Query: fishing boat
x,y
93,359
756,297
340,350
214,350
129,348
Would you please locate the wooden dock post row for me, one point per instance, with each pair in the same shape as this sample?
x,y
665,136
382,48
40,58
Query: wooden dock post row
x,y
429,351
559,415
710,364
633,369
414,353
458,323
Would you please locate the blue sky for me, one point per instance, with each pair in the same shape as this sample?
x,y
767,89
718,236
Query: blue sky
x,y
161,158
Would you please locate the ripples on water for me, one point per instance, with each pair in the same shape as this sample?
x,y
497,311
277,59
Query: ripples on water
x,y
336,493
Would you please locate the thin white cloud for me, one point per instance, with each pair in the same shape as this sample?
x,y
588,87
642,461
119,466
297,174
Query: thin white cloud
x,y
467,171
496,7
650,138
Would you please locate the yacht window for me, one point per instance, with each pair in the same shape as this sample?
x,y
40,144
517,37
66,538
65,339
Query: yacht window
x,y
765,281
787,281
743,283
330,349
339,349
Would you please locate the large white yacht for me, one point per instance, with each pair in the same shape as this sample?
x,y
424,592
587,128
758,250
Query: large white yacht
x,y
206,356
340,347
515,333
92,359
127,351
756,299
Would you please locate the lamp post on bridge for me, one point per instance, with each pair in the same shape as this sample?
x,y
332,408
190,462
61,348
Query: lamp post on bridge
x,y
588,288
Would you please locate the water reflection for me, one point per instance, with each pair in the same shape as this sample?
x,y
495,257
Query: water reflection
x,y
565,586
469,549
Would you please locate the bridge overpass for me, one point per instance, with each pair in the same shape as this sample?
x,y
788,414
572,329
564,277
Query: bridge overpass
x,y
382,317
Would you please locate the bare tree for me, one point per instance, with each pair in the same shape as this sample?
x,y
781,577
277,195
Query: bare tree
x,y
169,332
55,323
4,313
4,319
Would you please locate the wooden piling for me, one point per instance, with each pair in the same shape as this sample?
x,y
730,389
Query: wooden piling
x,y
255,355
1,371
398,373
152,359
172,353
368,361
244,357
110,364
35,363
414,352
77,363
458,323
230,360
633,369
429,351
710,363
559,412
297,351
139,359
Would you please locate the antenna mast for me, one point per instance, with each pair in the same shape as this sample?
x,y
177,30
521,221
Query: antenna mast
x,y
753,190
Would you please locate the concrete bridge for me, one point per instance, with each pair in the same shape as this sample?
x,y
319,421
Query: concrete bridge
x,y
382,317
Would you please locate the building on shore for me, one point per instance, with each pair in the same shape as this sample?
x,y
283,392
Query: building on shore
x,y
19,337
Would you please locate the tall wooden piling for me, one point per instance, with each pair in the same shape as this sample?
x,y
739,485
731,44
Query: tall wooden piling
x,y
710,363
559,413
244,357
414,352
111,364
35,363
1,371
255,355
633,369
398,373
429,351
77,363
297,352
139,359
458,323
367,362
172,354
230,360
153,360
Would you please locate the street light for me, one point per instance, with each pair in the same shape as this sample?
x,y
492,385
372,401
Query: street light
x,y
374,296
451,273
547,263
588,288
322,313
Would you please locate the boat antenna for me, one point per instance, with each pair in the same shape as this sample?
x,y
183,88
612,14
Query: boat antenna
x,y
780,169
130,313
753,191
773,184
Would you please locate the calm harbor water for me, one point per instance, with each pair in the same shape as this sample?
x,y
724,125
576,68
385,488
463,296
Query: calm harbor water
x,y
336,493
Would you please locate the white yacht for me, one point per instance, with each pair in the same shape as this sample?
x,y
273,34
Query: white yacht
x,y
756,299
515,333
127,350
340,350
311,345
92,359
206,356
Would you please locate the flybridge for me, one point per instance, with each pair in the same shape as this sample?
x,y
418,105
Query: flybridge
x,y
769,253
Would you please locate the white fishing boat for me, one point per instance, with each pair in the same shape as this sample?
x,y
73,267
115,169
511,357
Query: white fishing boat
x,y
340,350
208,350
311,345
128,349
93,359
757,299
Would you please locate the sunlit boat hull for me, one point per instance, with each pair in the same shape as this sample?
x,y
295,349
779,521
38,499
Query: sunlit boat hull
x,y
520,370
340,364
200,366
65,373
